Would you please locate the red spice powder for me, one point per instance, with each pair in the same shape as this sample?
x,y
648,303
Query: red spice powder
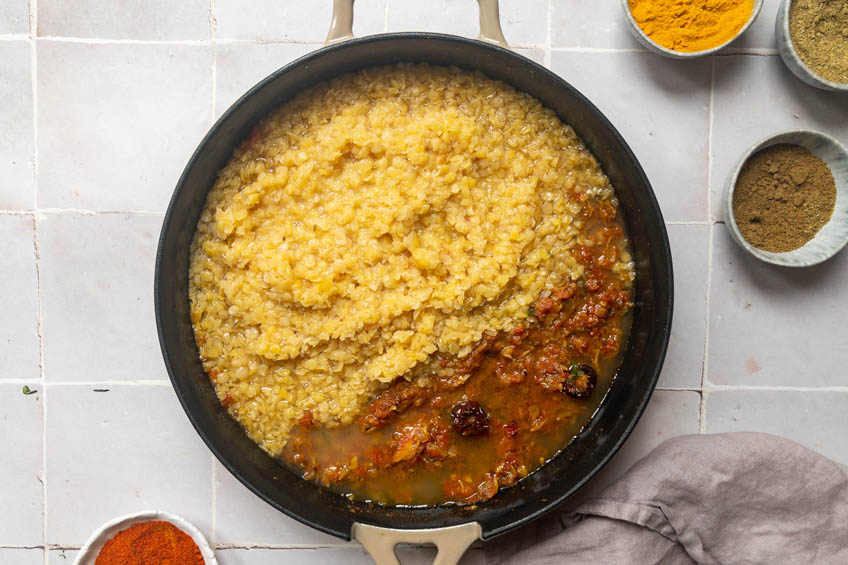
x,y
150,543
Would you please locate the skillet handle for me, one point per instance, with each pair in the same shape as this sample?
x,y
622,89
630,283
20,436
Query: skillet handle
x,y
451,542
341,25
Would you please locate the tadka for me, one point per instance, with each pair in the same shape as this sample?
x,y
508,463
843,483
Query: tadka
x,y
486,420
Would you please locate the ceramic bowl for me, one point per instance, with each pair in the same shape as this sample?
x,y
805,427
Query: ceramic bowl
x,y
790,56
107,531
642,38
834,235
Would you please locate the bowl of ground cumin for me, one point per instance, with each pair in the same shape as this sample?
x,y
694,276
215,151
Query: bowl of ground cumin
x,y
812,39
786,201
684,29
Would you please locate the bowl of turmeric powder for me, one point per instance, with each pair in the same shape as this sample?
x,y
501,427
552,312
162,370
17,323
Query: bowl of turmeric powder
x,y
684,29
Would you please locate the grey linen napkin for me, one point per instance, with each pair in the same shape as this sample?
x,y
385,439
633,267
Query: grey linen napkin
x,y
724,498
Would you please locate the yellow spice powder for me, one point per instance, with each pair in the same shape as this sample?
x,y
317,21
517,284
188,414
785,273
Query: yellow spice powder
x,y
691,25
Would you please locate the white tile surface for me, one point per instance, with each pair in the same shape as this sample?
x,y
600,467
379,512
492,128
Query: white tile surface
x,y
353,556
537,54
667,128
683,367
761,33
409,555
21,465
590,23
304,20
97,297
117,122
122,451
348,555
128,19
776,326
17,186
457,17
19,311
670,413
61,556
22,556
241,65
243,518
816,420
14,16
756,97
524,21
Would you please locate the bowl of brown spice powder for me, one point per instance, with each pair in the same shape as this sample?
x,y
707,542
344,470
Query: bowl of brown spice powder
x,y
786,201
812,39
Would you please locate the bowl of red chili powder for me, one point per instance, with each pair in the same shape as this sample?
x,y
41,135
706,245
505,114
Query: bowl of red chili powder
x,y
152,537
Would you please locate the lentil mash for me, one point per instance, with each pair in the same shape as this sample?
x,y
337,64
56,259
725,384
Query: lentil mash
x,y
389,262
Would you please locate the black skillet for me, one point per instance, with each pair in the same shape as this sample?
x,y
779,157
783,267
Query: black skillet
x,y
452,528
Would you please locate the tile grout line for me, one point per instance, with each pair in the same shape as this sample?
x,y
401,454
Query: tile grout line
x,y
340,546
386,18
236,41
548,35
39,324
702,409
213,532
213,48
105,383
78,211
88,212
213,502
111,41
709,387
39,329
172,42
226,41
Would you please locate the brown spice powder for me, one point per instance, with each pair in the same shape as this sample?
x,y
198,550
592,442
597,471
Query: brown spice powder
x,y
819,31
783,197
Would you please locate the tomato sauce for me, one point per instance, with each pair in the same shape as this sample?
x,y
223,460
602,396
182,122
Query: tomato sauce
x,y
483,422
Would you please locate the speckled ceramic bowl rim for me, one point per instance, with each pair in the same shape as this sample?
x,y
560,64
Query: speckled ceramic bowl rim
x,y
783,25
656,47
104,533
790,258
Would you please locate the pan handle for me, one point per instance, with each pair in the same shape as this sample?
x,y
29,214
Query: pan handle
x,y
452,541
341,25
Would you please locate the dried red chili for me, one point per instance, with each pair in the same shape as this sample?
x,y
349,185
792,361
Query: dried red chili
x,y
150,543
469,419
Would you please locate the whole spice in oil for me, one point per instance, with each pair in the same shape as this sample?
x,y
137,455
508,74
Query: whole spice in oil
x,y
819,32
784,195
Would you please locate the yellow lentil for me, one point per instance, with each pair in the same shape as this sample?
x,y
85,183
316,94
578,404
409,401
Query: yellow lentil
x,y
371,222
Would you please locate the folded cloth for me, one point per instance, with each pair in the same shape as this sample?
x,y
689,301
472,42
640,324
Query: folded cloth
x,y
724,498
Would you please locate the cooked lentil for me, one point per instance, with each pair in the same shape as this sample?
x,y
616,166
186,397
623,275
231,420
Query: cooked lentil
x,y
372,222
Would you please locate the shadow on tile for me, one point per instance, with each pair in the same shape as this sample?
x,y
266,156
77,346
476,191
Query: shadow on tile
x,y
674,76
774,279
733,70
